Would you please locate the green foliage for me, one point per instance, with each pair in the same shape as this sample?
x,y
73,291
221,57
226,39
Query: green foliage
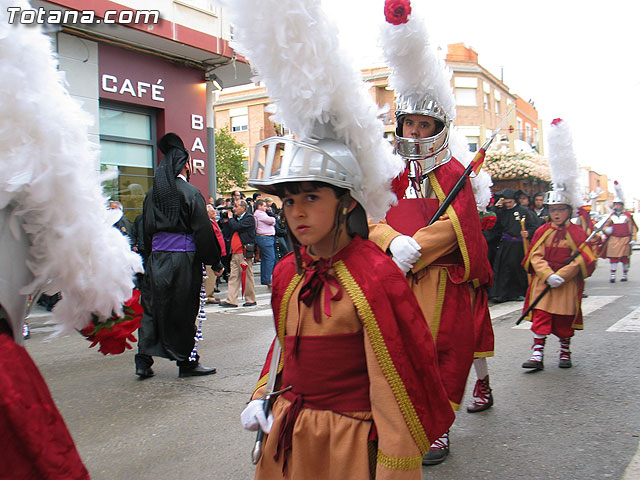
x,y
230,169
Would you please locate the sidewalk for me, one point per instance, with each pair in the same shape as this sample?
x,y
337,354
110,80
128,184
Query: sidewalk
x,y
40,319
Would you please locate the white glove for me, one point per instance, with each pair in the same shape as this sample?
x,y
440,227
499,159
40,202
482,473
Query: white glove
x,y
632,243
404,251
608,230
253,416
555,280
405,267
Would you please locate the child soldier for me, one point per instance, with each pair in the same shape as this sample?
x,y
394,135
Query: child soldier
x,y
363,394
548,260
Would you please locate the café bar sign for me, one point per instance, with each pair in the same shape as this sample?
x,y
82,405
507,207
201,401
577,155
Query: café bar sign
x,y
137,89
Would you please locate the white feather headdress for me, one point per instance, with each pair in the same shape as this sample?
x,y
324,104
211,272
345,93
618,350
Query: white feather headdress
x,y
48,179
416,69
294,49
619,193
418,72
565,173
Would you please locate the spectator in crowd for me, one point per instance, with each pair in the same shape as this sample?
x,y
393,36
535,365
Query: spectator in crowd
x,y
272,208
242,227
236,196
509,278
282,241
214,271
123,223
522,198
265,240
539,208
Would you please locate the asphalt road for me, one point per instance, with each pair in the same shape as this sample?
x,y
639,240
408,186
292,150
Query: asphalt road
x,y
580,423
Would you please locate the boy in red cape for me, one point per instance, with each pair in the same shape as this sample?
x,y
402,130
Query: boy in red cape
x,y
559,312
356,349
621,232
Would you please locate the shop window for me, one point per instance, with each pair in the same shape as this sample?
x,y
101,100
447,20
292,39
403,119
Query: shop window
x,y
127,148
520,129
240,123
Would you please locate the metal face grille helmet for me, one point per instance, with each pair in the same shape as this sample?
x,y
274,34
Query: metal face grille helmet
x,y
281,160
557,197
430,152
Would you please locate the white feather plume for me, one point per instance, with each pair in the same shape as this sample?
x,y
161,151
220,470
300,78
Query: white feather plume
x,y
619,193
48,172
565,173
481,183
416,69
294,49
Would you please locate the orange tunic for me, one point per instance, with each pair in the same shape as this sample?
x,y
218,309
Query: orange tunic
x,y
452,267
330,444
625,230
567,298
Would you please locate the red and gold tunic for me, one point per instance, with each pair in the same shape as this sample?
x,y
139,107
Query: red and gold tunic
x,y
451,278
551,249
624,230
367,399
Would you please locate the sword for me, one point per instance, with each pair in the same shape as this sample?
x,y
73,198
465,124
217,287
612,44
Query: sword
x,y
256,453
571,259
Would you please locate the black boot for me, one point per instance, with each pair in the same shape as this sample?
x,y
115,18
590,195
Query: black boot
x,y
143,365
536,360
438,452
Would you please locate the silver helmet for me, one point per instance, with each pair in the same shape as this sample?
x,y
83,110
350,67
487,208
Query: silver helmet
x,y
557,197
430,152
14,273
280,160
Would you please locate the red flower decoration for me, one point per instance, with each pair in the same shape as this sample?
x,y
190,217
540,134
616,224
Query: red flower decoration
x,y
400,184
397,11
556,121
113,334
488,221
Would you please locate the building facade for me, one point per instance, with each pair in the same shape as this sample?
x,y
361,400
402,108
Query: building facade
x,y
142,69
482,102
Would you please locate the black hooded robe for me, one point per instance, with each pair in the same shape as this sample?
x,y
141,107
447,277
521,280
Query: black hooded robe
x,y
509,278
171,291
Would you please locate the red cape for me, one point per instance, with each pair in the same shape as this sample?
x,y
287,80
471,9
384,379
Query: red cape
x,y
36,442
412,214
394,323
578,237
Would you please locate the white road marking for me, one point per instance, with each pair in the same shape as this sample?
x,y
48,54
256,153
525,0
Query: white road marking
x,y
593,303
589,305
630,323
258,313
504,308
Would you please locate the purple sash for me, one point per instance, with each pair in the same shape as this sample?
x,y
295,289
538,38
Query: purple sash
x,y
173,242
508,238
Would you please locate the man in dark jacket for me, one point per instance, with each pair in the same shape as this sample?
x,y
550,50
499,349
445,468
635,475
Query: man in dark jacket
x,y
178,239
243,239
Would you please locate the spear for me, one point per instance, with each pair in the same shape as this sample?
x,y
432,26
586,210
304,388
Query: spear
x,y
578,251
474,166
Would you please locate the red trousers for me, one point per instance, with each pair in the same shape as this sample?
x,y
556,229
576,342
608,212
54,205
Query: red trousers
x,y
545,323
